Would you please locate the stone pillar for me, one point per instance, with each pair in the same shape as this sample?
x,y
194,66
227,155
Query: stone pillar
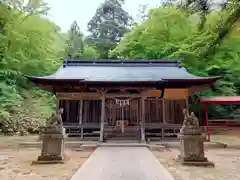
x,y
192,142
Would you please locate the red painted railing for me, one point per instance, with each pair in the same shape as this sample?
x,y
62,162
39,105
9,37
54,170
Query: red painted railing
x,y
224,124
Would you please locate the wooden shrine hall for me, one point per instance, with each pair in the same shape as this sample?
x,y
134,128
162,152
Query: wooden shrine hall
x,y
122,99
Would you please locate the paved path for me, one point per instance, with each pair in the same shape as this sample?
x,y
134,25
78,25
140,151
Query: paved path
x,y
122,163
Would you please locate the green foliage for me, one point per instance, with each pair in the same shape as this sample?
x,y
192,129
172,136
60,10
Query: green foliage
x,y
90,53
75,42
77,49
152,40
172,33
108,26
29,45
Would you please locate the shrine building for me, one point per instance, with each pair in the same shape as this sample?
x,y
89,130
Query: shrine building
x,y
122,99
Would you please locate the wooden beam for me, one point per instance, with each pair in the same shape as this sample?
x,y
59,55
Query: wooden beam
x,y
79,96
195,89
143,120
106,89
102,117
110,95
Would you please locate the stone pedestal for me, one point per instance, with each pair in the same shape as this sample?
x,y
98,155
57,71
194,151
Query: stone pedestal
x,y
192,147
192,142
53,145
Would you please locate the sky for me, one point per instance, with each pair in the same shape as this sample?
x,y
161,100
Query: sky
x,y
64,12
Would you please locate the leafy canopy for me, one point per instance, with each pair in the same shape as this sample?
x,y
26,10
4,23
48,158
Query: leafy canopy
x,y
108,26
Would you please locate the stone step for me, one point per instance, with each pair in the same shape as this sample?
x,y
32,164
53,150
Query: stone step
x,y
123,144
123,136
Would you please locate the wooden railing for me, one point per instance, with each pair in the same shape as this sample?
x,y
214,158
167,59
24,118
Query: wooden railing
x,y
162,131
82,130
75,129
149,131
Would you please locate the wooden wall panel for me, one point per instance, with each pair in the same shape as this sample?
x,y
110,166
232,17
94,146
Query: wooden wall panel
x,y
176,94
173,94
91,112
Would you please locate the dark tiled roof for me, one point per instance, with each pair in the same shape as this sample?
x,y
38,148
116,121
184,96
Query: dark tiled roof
x,y
121,71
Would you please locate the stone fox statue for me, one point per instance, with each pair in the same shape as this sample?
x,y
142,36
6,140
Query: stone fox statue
x,y
56,119
190,120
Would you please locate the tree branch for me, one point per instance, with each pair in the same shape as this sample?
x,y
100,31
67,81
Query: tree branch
x,y
32,14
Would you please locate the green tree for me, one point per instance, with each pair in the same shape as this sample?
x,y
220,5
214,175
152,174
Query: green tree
x,y
108,26
151,40
29,45
205,52
90,53
75,42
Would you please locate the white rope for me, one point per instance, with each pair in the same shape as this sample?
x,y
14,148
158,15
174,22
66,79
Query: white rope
x,y
122,102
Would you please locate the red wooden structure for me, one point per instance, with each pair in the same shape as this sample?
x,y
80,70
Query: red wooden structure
x,y
219,100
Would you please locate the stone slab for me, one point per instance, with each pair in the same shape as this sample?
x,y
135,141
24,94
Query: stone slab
x,y
122,163
48,162
207,145
89,145
196,163
70,144
202,164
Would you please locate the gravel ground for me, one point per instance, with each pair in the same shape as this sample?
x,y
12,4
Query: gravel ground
x,y
16,165
227,162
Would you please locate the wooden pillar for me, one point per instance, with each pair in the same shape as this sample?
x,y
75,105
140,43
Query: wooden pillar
x,y
157,109
187,104
57,105
102,117
80,112
122,119
80,116
68,110
143,120
206,119
163,112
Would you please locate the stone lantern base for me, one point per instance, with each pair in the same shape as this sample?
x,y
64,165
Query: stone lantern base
x,y
52,146
192,150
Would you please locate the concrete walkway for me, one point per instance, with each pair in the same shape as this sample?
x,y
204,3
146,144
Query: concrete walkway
x,y
122,163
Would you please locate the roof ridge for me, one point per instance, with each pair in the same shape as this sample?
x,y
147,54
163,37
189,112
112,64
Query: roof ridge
x,y
77,62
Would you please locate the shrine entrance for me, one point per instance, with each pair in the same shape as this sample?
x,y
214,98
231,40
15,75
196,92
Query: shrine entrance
x,y
123,116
